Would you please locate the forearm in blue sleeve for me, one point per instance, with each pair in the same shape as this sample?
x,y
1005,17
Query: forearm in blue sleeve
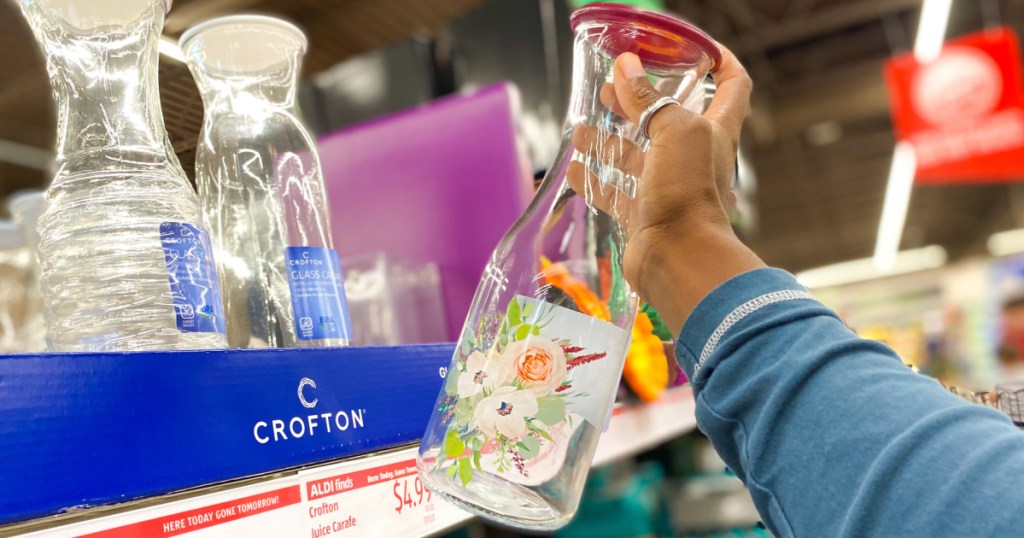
x,y
832,434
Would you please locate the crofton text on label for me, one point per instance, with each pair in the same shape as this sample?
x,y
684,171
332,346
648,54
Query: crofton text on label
x,y
299,427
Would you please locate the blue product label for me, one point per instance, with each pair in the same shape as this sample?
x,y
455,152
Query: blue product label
x,y
318,293
190,270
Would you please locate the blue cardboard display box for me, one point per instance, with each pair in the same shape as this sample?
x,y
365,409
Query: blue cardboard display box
x,y
80,430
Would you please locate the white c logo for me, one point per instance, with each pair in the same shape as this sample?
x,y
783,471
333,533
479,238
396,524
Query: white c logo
x,y
307,382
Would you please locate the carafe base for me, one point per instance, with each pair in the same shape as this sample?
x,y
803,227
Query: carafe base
x,y
513,505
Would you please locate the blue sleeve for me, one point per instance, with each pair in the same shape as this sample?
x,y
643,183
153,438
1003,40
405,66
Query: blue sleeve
x,y
832,434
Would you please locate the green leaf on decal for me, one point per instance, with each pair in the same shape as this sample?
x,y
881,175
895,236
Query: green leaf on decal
x,y
453,445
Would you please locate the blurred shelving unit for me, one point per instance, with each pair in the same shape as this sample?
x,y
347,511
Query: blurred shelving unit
x,y
636,428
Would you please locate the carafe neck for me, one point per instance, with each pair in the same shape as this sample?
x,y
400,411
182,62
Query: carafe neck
x,y
104,76
245,64
596,46
248,93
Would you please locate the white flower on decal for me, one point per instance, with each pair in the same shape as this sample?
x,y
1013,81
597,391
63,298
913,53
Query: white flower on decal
x,y
483,372
505,412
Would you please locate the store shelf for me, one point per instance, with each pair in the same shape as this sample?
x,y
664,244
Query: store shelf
x,y
635,428
308,497
87,430
711,503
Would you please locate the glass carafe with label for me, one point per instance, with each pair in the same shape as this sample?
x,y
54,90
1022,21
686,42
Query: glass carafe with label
x,y
534,376
261,187
125,261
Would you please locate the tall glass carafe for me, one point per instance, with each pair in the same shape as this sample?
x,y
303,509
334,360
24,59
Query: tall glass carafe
x,y
534,376
14,278
26,207
125,261
261,187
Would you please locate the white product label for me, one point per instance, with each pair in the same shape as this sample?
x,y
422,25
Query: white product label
x,y
516,405
594,351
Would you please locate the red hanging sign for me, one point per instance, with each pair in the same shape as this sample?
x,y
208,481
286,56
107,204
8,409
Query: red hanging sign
x,y
964,111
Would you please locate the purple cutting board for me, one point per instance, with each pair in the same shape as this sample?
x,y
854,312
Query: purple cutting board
x,y
441,183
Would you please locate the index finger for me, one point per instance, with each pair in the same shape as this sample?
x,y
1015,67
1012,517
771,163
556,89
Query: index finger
x,y
731,103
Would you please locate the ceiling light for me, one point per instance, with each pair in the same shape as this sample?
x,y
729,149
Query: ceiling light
x,y
931,29
27,156
1006,243
824,133
908,261
894,209
168,47
931,32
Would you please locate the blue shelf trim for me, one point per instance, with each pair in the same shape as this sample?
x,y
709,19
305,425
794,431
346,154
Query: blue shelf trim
x,y
80,430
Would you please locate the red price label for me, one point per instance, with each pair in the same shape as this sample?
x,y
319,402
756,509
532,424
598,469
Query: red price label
x,y
378,496
409,499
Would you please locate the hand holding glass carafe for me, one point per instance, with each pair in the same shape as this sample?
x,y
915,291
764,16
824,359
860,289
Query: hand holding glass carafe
x,y
533,379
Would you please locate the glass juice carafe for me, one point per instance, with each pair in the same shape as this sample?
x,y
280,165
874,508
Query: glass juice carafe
x,y
125,262
534,376
26,207
261,187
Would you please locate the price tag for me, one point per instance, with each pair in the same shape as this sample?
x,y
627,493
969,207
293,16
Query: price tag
x,y
379,496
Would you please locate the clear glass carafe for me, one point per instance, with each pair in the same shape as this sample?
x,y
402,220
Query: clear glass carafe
x,y
533,379
14,277
125,261
261,187
26,207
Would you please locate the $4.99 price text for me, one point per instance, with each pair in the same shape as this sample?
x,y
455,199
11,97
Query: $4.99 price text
x,y
410,499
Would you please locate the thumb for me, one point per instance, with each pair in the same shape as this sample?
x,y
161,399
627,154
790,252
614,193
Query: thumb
x,y
635,93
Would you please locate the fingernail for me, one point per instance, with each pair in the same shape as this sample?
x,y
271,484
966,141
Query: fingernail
x,y
631,66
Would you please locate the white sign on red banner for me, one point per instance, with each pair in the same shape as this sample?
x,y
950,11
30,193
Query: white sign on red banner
x,y
270,510
205,517
964,111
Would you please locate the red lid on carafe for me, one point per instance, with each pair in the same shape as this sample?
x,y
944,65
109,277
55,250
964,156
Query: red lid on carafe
x,y
659,40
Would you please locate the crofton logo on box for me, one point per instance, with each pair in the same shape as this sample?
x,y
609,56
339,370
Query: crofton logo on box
x,y
298,427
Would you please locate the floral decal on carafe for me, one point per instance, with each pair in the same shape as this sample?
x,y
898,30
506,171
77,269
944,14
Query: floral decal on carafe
x,y
512,407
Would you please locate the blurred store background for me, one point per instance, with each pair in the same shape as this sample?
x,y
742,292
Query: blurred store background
x,y
423,105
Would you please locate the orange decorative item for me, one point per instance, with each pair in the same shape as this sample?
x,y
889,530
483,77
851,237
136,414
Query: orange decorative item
x,y
558,276
646,369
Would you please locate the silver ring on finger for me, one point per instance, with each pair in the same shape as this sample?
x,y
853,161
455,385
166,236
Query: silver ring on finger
x,y
651,110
